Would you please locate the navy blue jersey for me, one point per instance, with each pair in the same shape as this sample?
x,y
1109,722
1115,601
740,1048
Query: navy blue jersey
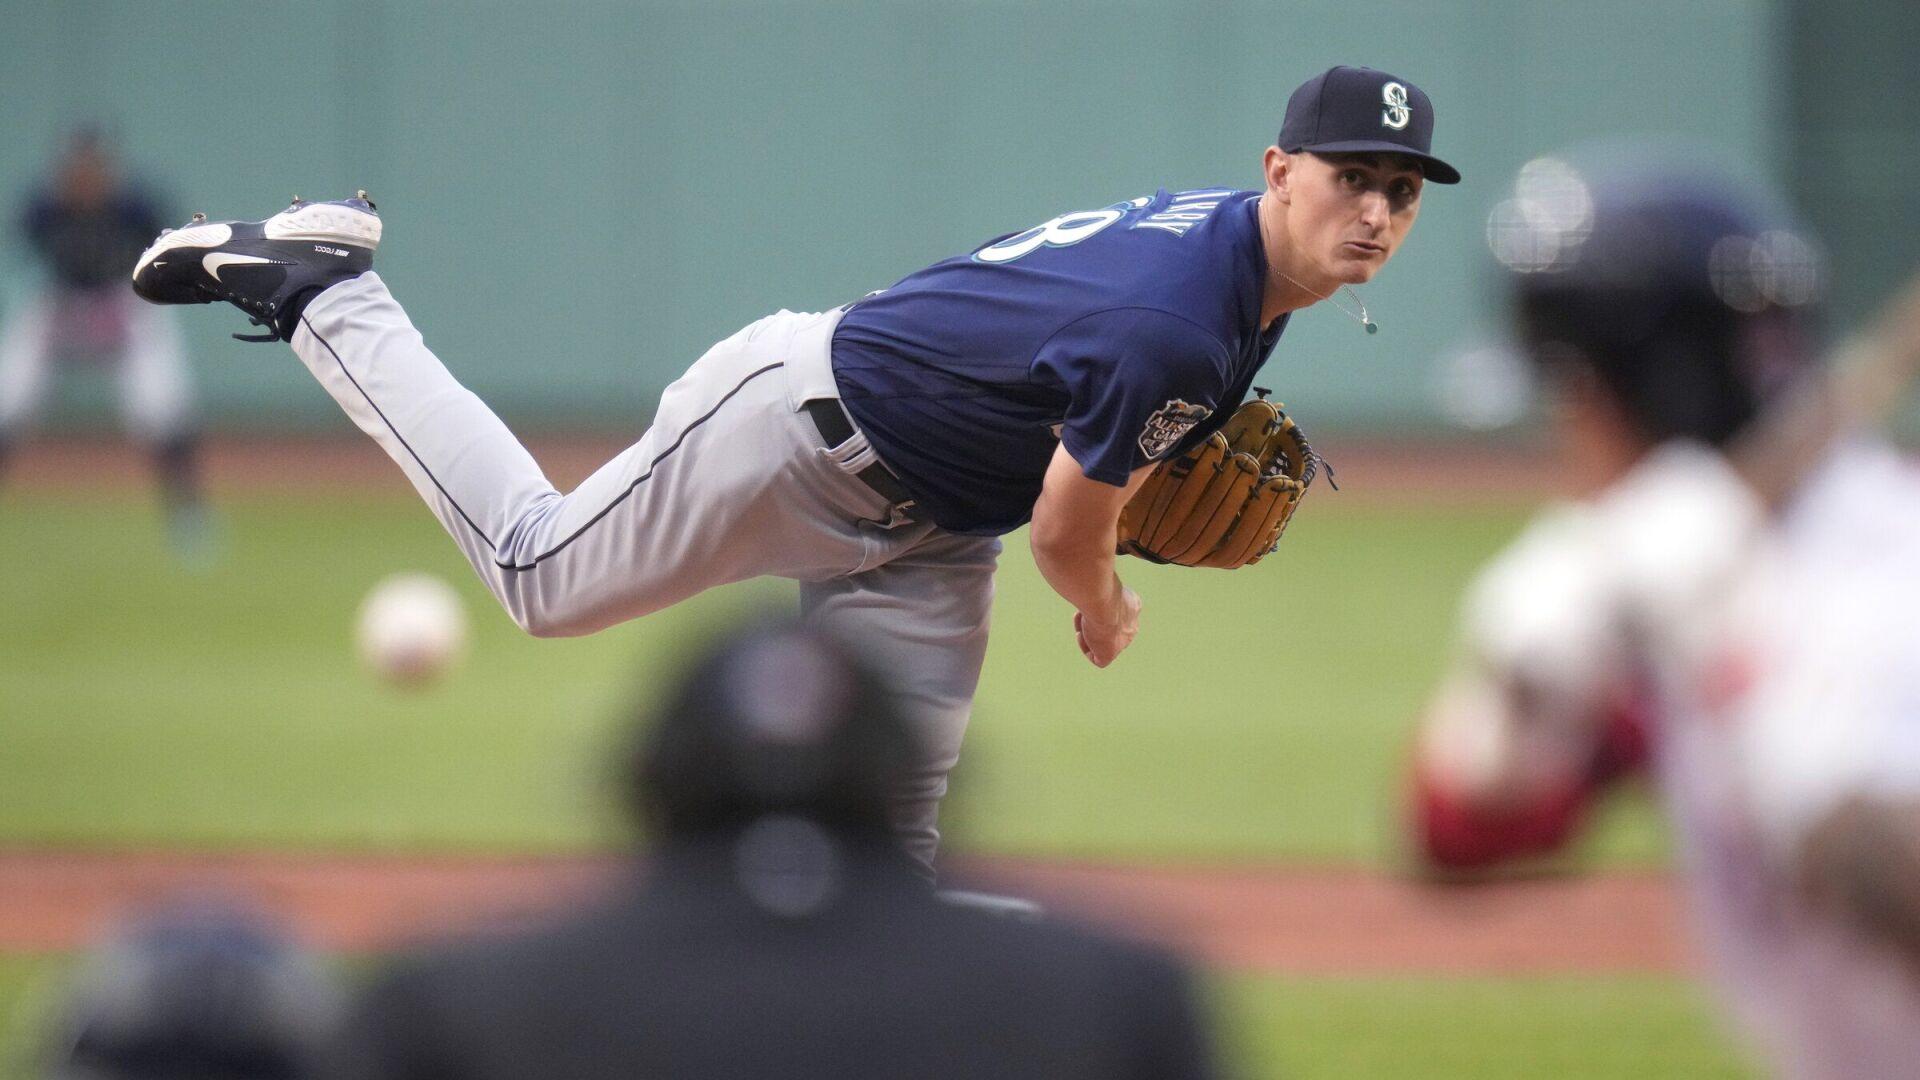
x,y
1127,334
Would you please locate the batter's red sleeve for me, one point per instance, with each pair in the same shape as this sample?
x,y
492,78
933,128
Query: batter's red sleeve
x,y
1452,833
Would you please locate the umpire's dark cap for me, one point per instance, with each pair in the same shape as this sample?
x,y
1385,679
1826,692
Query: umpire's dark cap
x,y
1360,110
777,718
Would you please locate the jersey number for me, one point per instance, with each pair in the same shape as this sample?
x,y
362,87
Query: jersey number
x,y
1063,231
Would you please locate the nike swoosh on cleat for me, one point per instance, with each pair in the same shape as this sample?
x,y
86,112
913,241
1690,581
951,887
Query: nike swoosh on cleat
x,y
214,260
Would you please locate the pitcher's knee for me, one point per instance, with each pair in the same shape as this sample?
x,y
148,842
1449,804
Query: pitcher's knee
x,y
542,625
545,618
575,614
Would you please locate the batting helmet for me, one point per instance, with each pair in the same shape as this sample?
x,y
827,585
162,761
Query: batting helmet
x,y
1687,293
775,719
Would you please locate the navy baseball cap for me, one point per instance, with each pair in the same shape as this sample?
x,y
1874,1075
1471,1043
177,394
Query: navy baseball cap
x,y
1360,110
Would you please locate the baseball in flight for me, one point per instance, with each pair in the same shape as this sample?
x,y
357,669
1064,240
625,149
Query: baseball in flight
x,y
412,629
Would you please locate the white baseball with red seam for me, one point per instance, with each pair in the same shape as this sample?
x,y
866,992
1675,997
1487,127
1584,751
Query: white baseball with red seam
x,y
412,629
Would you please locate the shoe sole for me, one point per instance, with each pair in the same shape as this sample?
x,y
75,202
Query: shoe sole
x,y
326,223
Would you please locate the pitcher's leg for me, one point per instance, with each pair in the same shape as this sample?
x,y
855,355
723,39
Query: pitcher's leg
x,y
728,483
697,502
923,618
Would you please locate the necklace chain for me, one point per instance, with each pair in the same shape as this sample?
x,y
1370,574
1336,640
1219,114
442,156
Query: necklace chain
x,y
1334,299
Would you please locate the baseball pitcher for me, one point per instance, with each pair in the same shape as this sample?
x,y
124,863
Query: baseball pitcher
x,y
876,452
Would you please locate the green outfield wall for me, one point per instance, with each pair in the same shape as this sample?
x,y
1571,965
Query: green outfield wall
x,y
581,196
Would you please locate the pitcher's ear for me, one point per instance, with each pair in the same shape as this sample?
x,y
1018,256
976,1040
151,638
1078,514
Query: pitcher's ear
x,y
1279,169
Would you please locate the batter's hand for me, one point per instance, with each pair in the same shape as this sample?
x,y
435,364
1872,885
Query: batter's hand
x,y
1100,643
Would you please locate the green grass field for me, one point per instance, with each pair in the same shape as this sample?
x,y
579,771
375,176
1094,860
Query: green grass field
x,y
1260,715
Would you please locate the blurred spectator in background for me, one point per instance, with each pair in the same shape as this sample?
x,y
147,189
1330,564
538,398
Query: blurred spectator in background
x,y
1737,604
85,227
779,929
196,990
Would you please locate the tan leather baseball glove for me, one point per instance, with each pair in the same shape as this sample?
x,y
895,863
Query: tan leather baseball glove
x,y
1225,502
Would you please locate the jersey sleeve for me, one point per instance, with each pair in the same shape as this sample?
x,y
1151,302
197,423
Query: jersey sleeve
x,y
1138,381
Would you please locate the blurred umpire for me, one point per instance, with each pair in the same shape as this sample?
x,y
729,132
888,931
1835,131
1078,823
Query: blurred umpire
x,y
86,226
778,929
1734,604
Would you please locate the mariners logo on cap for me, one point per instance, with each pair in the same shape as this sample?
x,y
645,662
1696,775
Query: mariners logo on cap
x,y
1356,110
1397,113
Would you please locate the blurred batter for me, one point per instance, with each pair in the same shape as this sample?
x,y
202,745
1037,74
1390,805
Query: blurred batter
x,y
1761,654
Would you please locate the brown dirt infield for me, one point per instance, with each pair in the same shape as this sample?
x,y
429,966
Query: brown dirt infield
x,y
1272,920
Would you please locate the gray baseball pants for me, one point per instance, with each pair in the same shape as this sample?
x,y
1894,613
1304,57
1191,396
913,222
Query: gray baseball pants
x,y
731,482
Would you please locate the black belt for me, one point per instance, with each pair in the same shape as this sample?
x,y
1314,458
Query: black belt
x,y
831,418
